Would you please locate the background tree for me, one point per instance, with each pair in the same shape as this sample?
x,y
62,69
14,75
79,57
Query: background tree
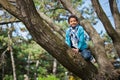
x,y
43,33
22,48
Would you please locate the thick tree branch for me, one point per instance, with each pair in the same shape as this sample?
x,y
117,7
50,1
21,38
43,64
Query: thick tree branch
x,y
67,5
115,13
11,8
52,24
108,26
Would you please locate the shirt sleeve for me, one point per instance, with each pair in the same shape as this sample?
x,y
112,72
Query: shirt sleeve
x,y
67,38
81,37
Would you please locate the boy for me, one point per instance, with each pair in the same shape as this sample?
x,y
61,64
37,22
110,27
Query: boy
x,y
75,38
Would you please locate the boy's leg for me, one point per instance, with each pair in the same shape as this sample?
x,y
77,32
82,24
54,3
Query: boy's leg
x,y
88,56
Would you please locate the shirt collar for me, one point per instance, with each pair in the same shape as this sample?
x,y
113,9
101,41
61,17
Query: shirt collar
x,y
76,27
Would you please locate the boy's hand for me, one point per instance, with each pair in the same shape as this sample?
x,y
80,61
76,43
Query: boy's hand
x,y
75,50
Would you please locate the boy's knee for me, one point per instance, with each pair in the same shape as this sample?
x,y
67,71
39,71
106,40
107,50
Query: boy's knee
x,y
86,54
87,57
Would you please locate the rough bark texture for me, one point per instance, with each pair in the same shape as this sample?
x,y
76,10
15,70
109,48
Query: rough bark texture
x,y
45,37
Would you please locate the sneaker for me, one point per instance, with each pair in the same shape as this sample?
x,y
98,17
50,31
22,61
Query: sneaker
x,y
93,60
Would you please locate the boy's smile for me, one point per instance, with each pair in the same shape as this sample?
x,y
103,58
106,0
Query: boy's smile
x,y
73,22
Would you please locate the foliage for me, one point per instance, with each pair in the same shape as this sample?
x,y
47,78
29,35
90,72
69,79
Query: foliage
x,y
22,50
49,77
10,77
7,77
106,38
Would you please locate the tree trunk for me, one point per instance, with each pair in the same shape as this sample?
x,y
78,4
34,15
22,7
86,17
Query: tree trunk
x,y
54,66
2,61
36,67
28,66
11,54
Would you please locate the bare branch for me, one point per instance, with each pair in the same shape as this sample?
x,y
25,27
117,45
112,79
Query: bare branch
x,y
3,23
11,53
3,56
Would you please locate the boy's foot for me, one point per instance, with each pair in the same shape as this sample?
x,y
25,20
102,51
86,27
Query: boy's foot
x,y
93,60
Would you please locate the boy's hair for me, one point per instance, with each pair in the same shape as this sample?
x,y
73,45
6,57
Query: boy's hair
x,y
73,16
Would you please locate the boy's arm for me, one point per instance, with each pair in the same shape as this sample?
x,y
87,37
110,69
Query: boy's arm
x,y
81,38
67,38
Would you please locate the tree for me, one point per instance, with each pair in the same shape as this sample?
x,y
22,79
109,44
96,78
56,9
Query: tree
x,y
43,33
11,53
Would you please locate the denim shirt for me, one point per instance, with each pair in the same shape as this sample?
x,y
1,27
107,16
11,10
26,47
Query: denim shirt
x,y
80,35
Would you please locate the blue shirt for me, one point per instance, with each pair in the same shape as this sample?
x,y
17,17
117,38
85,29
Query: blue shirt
x,y
79,32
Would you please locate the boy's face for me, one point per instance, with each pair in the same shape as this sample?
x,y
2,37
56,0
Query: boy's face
x,y
73,22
